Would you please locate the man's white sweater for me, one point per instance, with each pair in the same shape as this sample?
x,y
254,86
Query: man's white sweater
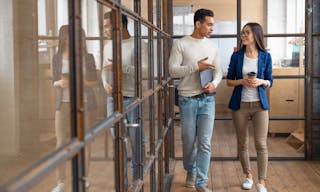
x,y
183,63
128,65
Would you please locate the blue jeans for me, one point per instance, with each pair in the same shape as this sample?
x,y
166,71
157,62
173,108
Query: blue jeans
x,y
197,119
129,118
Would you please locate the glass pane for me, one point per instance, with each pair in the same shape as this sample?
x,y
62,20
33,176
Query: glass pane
x,y
288,102
316,101
316,135
129,4
224,141
316,16
254,11
49,183
107,86
51,16
101,175
226,46
134,143
34,119
223,96
225,16
316,55
155,12
286,138
287,52
283,16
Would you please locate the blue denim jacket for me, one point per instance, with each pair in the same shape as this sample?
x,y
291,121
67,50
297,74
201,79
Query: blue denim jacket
x,y
235,72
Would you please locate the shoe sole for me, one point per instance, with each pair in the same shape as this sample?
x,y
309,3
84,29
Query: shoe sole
x,y
189,186
245,188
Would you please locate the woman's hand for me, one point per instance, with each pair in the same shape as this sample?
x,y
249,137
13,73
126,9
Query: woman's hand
x,y
63,83
256,82
246,82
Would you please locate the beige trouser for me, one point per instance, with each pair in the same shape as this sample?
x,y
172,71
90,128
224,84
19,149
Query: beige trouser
x,y
62,127
260,119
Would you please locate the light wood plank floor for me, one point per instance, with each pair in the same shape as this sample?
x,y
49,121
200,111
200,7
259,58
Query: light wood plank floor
x,y
283,176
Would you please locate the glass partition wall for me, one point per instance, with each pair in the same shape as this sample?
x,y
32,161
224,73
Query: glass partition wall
x,y
87,91
75,112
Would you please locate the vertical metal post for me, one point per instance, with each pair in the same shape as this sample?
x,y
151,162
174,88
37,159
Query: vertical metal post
x,y
160,64
151,99
117,83
308,78
166,89
139,133
171,91
238,22
76,90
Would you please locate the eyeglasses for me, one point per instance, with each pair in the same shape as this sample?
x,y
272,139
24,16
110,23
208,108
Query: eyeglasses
x,y
245,33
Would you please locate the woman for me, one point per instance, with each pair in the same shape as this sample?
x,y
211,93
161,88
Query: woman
x,y
60,69
250,73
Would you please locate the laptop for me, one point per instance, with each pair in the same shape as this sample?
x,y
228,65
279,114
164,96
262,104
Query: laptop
x,y
206,76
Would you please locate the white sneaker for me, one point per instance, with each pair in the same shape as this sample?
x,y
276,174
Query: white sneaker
x,y
87,184
247,184
261,188
58,188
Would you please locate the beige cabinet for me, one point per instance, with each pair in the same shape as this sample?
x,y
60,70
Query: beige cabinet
x,y
286,100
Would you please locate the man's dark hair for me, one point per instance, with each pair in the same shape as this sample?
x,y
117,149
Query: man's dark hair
x,y
200,15
124,18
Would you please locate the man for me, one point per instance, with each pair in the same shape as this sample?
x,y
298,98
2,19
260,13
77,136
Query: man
x,y
189,57
128,80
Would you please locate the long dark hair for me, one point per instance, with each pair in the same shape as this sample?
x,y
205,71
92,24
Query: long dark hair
x,y
63,44
258,36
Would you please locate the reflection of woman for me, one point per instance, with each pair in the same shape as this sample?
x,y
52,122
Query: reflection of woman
x,y
249,99
60,68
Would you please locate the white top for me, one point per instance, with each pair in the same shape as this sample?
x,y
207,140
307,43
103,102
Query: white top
x,y
183,63
128,67
65,91
249,94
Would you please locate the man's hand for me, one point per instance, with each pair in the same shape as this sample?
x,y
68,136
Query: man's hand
x,y
108,88
203,65
209,88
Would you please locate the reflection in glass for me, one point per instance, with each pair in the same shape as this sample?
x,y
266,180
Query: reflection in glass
x,y
107,63
316,16
61,82
316,55
48,183
102,163
226,46
316,96
285,16
287,52
254,11
225,16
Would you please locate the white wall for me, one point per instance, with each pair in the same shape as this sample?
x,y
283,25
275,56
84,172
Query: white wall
x,y
8,121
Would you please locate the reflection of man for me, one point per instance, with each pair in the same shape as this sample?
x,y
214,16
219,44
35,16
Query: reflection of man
x,y
128,76
189,56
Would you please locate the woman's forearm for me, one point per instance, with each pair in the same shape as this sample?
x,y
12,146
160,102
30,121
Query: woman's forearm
x,y
234,83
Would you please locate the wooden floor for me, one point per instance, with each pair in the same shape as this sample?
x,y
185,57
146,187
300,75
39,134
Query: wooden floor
x,y
283,176
287,176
